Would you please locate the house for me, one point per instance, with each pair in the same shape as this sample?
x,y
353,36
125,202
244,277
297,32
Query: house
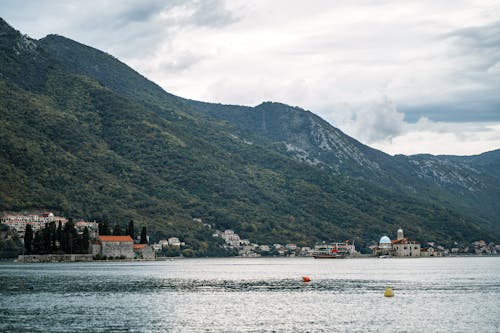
x,y
265,248
144,251
174,241
114,247
92,227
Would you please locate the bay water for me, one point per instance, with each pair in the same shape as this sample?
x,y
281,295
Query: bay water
x,y
460,294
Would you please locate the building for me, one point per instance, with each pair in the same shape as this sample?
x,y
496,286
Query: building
x,y
114,247
92,227
144,251
231,238
401,247
405,247
384,247
19,222
174,241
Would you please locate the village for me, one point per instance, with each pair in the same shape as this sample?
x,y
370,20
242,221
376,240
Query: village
x,y
94,242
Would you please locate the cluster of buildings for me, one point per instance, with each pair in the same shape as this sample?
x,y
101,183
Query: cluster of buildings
x,y
124,247
406,247
246,248
480,247
18,222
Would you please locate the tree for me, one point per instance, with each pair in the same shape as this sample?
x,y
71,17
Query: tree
x,y
144,236
130,229
105,228
117,230
28,238
59,234
85,240
38,243
46,237
53,236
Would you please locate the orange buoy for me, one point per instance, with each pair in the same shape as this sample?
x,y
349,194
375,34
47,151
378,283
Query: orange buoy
x,y
306,279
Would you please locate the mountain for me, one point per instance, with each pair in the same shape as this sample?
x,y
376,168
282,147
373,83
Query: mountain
x,y
469,184
84,135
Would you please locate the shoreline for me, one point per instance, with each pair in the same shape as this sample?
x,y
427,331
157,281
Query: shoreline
x,y
71,258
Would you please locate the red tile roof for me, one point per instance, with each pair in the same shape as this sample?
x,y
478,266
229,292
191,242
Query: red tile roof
x,y
403,241
115,239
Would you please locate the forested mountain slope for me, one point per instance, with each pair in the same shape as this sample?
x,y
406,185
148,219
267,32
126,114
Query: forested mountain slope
x,y
109,144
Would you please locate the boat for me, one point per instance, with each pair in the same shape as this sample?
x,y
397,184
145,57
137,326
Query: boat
x,y
332,251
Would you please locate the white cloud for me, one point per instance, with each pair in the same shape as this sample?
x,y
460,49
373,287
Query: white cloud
x,y
443,138
368,67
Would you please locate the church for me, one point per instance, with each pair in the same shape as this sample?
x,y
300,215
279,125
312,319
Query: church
x,y
401,247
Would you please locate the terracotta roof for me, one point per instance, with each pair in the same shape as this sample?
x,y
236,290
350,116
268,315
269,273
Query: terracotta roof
x,y
403,241
115,239
139,246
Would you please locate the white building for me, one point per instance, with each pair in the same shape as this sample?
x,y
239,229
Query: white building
x,y
174,241
231,238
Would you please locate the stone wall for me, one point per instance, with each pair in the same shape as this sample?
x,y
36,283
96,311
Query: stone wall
x,y
54,258
117,249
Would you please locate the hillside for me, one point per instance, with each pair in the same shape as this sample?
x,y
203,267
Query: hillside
x,y
84,135
469,184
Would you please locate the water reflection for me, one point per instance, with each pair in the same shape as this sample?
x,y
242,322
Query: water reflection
x,y
253,295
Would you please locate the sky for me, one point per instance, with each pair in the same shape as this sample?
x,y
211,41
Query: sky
x,y
405,77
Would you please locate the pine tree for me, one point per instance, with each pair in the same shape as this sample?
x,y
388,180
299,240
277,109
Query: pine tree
x,y
28,239
144,236
117,230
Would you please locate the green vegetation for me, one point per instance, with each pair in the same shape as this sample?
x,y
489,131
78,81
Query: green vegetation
x,y
52,240
107,144
144,236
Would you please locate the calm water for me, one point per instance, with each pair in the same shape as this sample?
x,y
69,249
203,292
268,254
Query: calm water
x,y
253,295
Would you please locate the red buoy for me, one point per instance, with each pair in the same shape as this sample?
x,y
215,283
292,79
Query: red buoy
x,y
306,279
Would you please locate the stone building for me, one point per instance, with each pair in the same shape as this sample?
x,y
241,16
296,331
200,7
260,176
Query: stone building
x,y
401,247
114,246
144,251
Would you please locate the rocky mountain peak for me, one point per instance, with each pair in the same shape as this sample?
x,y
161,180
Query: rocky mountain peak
x,y
5,27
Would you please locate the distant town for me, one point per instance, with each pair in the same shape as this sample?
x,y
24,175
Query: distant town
x,y
47,237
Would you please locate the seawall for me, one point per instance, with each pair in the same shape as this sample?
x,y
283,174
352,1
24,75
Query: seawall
x,y
54,258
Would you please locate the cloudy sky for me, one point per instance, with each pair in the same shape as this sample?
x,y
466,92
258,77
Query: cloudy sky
x,y
401,76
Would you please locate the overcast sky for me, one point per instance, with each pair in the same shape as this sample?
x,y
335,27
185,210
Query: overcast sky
x,y
401,76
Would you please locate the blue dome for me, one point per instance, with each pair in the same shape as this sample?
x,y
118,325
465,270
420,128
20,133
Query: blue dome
x,y
385,240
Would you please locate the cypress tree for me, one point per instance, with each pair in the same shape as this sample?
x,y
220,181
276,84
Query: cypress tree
x,y
47,244
85,240
28,239
38,243
117,231
144,236
59,235
105,228
53,236
130,229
